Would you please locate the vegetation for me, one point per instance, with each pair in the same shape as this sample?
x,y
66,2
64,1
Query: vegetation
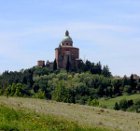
x,y
86,84
54,65
110,102
86,117
129,105
20,120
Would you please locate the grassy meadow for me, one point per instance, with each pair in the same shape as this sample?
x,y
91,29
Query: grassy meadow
x,y
109,103
35,114
12,119
20,120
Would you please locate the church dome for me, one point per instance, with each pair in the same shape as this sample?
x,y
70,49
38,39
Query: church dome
x,y
67,40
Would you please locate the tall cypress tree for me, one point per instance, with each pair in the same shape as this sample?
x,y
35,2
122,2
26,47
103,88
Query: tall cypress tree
x,y
68,64
54,65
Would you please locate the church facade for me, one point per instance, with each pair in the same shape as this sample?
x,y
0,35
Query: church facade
x,y
66,53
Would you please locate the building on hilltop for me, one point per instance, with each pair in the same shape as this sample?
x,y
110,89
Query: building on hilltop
x,y
41,63
66,55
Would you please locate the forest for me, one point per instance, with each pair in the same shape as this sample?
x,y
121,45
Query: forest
x,y
85,85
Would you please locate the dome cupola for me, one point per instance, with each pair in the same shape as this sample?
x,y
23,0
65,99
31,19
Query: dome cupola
x,y
67,40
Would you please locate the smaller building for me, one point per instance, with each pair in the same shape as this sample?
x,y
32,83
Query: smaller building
x,y
41,63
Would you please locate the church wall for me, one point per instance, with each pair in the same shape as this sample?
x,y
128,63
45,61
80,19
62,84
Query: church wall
x,y
62,54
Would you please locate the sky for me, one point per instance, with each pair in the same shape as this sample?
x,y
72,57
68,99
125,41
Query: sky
x,y
105,30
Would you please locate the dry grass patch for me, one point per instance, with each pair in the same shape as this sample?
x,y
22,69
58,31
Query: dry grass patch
x,y
83,115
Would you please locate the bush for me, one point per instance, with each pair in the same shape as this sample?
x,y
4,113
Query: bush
x,y
124,105
17,90
40,94
93,102
117,107
137,106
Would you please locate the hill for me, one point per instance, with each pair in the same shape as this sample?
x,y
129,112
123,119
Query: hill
x,y
84,116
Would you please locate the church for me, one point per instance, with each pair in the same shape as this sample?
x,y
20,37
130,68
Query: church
x,y
65,54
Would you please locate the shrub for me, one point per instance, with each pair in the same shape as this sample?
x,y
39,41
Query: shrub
x,y
137,105
93,102
124,105
117,107
40,94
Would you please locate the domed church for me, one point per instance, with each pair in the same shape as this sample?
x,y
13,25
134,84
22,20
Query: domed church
x,y
66,53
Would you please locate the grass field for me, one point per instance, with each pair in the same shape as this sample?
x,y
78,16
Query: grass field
x,y
21,120
68,116
11,119
109,103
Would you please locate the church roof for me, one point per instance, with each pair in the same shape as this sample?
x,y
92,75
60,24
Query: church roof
x,y
67,38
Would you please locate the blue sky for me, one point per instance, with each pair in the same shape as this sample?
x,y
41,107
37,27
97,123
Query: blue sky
x,y
104,30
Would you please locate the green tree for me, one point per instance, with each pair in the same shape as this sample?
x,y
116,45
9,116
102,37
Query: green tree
x,y
54,65
128,89
106,71
18,89
133,83
61,93
88,65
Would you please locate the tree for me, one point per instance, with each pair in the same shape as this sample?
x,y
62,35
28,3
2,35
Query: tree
x,y
127,89
133,82
54,65
98,68
106,71
68,64
87,65
18,89
126,81
61,93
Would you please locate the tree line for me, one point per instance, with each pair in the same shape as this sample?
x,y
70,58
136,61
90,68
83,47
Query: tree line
x,y
128,105
94,68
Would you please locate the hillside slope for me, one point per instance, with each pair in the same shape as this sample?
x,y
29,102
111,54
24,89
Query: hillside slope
x,y
83,115
109,103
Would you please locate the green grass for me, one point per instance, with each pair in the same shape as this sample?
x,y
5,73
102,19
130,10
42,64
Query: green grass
x,y
37,114
42,115
20,120
109,103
